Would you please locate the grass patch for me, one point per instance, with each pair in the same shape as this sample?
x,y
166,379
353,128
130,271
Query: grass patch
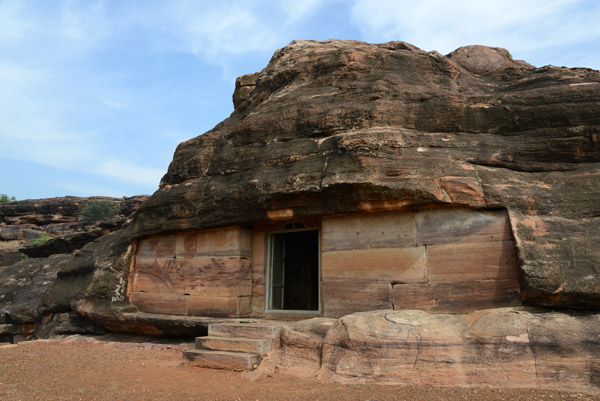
x,y
41,239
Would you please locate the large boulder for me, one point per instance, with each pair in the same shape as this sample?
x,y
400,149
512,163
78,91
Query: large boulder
x,y
503,347
23,285
328,127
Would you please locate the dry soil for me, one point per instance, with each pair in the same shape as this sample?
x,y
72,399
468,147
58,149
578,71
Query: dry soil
x,y
78,368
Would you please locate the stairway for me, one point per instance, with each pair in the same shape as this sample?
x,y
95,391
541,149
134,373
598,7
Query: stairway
x,y
236,345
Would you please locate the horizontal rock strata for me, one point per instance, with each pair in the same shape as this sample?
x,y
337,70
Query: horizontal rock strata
x,y
348,127
504,347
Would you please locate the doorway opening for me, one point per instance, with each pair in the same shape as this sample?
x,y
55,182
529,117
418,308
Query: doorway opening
x,y
293,271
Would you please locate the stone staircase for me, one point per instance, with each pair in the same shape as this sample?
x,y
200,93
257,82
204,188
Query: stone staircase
x,y
236,345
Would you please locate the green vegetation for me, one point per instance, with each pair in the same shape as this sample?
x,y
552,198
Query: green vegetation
x,y
99,211
5,198
43,238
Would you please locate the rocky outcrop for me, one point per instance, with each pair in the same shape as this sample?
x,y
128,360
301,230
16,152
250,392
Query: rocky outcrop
x,y
50,211
340,126
38,295
10,256
45,227
25,283
62,244
508,347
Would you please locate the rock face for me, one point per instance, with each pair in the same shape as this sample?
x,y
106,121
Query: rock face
x,y
504,347
334,127
438,158
56,214
38,295
25,283
53,224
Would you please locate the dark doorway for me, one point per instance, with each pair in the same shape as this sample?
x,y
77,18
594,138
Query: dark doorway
x,y
294,271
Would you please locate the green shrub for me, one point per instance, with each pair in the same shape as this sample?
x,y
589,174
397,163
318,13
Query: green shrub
x,y
43,238
5,198
99,211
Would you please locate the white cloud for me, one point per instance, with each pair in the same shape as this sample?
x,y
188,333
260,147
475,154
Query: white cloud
x,y
299,9
215,30
520,26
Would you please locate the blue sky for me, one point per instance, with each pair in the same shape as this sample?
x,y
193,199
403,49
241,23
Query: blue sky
x,y
95,95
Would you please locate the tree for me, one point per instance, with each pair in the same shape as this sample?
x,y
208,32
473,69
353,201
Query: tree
x,y
5,198
99,211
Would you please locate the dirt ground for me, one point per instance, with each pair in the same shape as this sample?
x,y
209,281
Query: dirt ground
x,y
80,368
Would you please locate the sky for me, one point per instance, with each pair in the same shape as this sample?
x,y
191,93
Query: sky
x,y
95,95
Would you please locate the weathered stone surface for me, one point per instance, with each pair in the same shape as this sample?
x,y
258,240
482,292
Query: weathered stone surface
x,y
10,256
96,272
119,319
65,323
45,211
222,359
236,344
63,229
23,285
19,232
503,347
63,244
61,210
346,127
482,59
244,85
343,127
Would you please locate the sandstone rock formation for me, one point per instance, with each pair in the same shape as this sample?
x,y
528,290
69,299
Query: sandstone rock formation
x,y
340,126
31,273
503,347
56,218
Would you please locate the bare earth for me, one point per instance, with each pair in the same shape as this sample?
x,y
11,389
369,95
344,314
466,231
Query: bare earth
x,y
79,368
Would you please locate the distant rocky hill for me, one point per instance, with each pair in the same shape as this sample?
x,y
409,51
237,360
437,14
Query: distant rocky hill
x,y
36,228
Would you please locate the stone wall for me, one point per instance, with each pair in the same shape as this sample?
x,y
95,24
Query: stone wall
x,y
438,260
194,273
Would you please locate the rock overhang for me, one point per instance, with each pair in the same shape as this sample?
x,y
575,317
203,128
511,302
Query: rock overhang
x,y
329,127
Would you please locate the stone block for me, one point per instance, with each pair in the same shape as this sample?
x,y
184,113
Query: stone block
x,y
365,231
472,261
212,305
222,359
457,296
249,330
342,297
384,264
236,344
160,303
453,225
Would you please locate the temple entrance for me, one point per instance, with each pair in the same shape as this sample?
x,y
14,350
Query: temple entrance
x,y
293,271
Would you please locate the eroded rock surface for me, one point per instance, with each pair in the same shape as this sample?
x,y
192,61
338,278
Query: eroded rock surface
x,y
39,228
343,126
25,283
504,347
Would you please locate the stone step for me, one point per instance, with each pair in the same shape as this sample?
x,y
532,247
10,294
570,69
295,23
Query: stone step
x,y
222,359
237,344
249,330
